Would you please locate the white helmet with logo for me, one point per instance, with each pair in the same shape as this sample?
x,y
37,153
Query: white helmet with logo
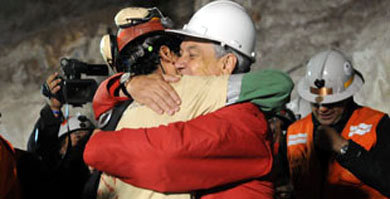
x,y
75,123
225,22
330,77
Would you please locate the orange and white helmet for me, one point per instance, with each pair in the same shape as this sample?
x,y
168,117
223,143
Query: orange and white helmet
x,y
330,77
132,23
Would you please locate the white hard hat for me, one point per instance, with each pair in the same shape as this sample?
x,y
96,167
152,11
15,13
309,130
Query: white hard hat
x,y
75,123
225,22
330,77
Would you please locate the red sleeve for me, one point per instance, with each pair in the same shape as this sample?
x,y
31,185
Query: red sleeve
x,y
8,177
104,98
225,146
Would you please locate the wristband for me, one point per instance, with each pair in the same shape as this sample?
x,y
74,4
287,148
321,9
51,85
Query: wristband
x,y
56,112
344,149
125,78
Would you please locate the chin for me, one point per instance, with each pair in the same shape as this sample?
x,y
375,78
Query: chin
x,y
326,121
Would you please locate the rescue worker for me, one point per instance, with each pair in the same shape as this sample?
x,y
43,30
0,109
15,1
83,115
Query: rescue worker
x,y
341,149
196,179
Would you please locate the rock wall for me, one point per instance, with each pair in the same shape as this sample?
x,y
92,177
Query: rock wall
x,y
35,35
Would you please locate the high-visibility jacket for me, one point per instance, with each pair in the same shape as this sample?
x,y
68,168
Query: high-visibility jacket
x,y
306,173
9,185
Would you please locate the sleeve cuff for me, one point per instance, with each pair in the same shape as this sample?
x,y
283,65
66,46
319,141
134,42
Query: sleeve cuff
x,y
48,116
353,154
113,88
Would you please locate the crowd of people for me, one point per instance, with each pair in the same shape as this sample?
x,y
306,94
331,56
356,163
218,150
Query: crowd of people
x,y
184,117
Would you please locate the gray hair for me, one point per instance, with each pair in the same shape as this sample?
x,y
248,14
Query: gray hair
x,y
243,63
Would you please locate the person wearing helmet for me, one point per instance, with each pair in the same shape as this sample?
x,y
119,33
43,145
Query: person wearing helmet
x,y
203,128
73,132
58,142
134,22
223,23
341,149
220,39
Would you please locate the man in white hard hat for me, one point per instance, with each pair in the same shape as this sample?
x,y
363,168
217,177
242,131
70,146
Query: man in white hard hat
x,y
341,149
220,39
194,152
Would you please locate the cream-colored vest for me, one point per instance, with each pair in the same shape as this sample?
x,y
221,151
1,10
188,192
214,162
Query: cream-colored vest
x,y
199,94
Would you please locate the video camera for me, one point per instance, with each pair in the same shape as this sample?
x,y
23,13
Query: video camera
x,y
74,90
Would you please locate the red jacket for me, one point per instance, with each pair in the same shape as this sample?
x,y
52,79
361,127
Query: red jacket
x,y
9,184
227,146
104,99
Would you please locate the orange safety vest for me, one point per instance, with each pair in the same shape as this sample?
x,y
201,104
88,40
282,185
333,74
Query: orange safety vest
x,y
9,184
305,169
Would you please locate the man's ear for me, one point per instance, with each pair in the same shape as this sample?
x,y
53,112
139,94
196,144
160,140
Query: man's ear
x,y
229,62
165,54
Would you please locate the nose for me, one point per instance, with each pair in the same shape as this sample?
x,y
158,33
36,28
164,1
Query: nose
x,y
323,109
180,63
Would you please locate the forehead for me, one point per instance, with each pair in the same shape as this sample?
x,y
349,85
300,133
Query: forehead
x,y
340,104
80,132
196,44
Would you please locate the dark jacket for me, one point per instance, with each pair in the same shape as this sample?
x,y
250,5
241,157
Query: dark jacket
x,y
62,177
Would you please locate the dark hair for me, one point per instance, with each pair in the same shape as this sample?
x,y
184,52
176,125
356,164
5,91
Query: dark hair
x,y
141,56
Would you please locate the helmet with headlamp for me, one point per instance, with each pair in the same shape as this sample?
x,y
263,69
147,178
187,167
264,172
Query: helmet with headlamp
x,y
132,23
330,78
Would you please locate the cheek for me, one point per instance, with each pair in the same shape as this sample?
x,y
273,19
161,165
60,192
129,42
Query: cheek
x,y
339,112
209,67
197,68
170,69
314,110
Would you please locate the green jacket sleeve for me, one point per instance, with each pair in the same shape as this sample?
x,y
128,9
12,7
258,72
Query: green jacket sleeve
x,y
270,89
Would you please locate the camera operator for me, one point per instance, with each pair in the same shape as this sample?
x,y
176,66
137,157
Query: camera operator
x,y
44,138
59,143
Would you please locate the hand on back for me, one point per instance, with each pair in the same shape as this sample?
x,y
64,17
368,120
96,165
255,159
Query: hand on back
x,y
155,92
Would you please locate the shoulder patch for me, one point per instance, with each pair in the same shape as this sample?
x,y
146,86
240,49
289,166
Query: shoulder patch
x,y
300,138
359,129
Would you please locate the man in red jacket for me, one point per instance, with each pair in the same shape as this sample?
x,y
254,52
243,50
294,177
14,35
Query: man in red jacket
x,y
227,149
